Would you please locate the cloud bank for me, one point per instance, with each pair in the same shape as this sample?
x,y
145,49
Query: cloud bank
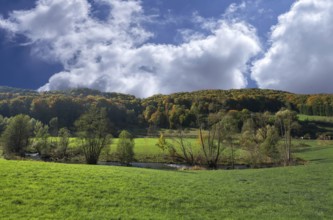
x,y
113,52
300,58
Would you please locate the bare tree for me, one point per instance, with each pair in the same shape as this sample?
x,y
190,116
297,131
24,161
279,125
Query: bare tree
x,y
220,135
211,144
179,149
185,148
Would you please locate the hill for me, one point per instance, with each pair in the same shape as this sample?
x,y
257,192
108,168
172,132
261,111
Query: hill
x,y
159,111
6,89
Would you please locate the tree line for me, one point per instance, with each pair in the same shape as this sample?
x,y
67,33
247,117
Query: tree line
x,y
258,134
159,111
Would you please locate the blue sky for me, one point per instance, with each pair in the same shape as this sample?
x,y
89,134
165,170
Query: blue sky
x,y
164,46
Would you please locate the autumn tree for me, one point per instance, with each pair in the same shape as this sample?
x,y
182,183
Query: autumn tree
x,y
269,143
286,121
162,143
260,139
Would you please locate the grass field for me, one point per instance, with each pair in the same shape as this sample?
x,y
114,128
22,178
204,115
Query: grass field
x,y
39,190
317,125
314,118
145,150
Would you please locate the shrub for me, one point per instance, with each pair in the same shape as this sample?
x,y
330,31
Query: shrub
x,y
125,152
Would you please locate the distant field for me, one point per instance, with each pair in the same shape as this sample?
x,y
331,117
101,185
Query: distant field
x,y
145,149
315,118
39,190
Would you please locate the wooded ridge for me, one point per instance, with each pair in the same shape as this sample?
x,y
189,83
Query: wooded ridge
x,y
162,111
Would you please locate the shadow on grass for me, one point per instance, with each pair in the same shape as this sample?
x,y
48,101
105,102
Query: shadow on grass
x,y
310,149
322,160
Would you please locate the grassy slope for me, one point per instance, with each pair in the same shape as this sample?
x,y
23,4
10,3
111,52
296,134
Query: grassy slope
x,y
31,190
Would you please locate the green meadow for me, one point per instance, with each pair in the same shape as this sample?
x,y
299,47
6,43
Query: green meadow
x,y
145,149
314,118
41,190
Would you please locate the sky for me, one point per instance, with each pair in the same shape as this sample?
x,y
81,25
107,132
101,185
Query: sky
x,y
150,47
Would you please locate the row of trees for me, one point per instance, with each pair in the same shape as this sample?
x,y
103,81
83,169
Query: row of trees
x,y
92,130
258,134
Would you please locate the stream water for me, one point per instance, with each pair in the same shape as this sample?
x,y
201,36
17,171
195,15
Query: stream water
x,y
168,166
161,166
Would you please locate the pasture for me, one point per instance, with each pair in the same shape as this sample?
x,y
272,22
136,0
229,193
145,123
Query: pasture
x,y
40,190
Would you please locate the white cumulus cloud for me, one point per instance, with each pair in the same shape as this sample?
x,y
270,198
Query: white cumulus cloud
x,y
300,58
114,53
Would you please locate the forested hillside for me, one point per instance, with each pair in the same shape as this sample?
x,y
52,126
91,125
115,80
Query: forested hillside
x,y
162,111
